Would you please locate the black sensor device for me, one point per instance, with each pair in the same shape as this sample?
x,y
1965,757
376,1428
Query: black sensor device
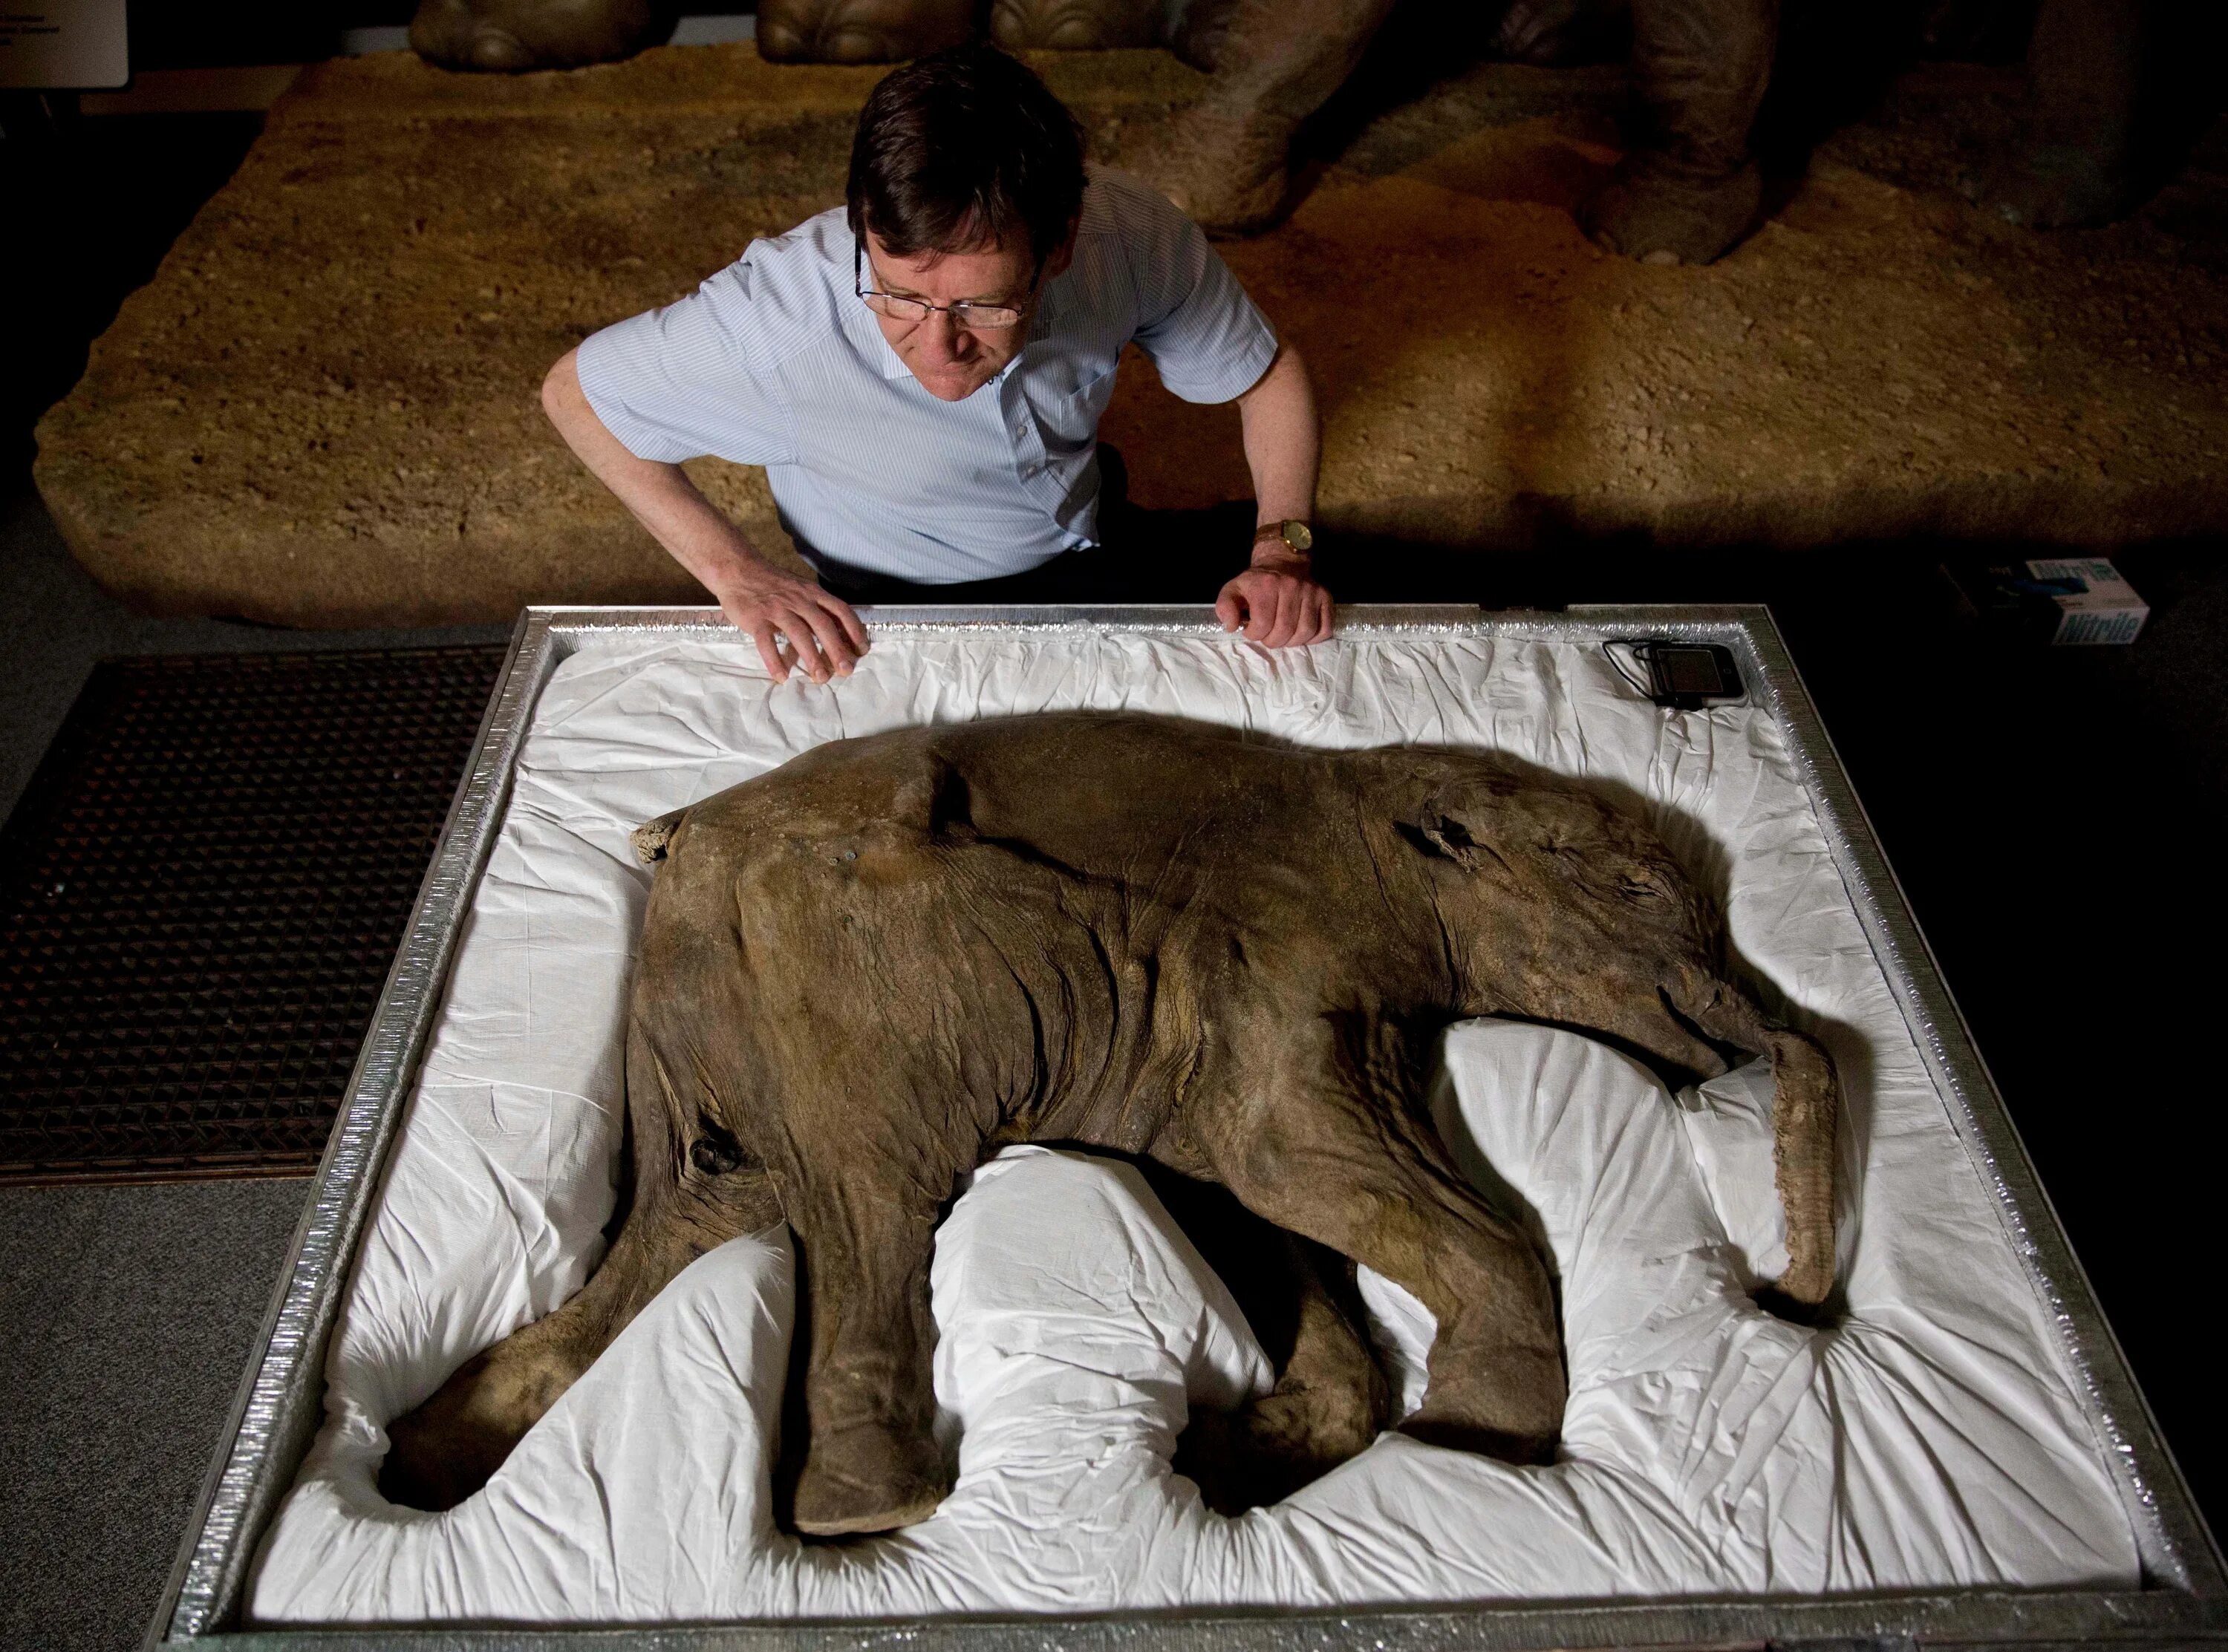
x,y
1683,676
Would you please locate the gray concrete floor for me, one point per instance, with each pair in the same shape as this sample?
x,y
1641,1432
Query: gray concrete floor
x,y
127,1314
126,1318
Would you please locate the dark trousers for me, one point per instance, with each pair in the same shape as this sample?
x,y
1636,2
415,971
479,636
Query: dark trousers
x,y
1142,556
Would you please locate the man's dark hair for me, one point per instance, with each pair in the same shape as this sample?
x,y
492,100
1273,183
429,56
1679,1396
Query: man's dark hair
x,y
958,151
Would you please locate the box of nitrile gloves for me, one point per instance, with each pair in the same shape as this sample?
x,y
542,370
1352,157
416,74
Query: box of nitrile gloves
x,y
2055,599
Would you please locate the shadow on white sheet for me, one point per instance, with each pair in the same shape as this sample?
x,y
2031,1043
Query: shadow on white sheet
x,y
1930,1439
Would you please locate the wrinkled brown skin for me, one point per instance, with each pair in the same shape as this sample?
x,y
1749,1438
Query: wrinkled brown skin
x,y
1226,159
1300,1301
2077,162
863,973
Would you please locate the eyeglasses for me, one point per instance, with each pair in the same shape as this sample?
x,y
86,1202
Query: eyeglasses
x,y
975,318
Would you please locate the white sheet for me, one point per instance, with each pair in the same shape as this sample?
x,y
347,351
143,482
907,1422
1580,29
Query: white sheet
x,y
1931,1438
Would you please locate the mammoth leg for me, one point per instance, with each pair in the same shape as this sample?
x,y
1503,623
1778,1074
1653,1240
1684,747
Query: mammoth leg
x,y
871,1462
452,1445
1690,189
1330,1400
1346,1160
1806,1101
1549,33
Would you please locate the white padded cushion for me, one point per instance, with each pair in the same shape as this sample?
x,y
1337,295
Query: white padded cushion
x,y
1932,1439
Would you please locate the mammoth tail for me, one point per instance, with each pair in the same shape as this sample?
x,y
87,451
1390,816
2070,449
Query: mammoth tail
x,y
1806,1101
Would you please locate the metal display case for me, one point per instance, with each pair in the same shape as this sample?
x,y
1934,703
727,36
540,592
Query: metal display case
x,y
2184,1597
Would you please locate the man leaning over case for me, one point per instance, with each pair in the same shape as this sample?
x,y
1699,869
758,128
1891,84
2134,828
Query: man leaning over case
x,y
922,372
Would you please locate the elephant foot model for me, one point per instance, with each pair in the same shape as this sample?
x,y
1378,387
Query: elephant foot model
x,y
510,36
2076,164
863,973
861,31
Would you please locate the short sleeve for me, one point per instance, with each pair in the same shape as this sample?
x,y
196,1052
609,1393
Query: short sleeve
x,y
1209,341
678,383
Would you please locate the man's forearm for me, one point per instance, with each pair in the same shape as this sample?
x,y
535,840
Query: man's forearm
x,y
660,496
1284,442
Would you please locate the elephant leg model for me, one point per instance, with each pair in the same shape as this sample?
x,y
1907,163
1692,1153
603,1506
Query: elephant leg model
x,y
1690,189
861,31
1226,160
2077,164
863,973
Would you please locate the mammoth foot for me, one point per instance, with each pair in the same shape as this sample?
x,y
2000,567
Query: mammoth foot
x,y
1328,1405
1498,1400
1655,211
1524,1449
867,1478
1229,172
1264,1452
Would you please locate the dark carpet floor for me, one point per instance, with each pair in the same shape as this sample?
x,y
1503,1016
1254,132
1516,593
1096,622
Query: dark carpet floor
x,y
126,1314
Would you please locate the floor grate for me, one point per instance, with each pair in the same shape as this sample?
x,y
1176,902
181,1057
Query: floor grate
x,y
201,894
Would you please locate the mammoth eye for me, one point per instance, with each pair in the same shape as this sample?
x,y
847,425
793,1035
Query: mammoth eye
x,y
715,1152
1641,890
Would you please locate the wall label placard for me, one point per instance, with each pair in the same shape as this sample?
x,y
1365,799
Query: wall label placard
x,y
61,45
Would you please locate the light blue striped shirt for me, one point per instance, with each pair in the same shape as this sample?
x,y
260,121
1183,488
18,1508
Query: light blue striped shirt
x,y
775,362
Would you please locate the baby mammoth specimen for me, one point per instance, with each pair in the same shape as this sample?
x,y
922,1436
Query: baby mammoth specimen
x,y
863,973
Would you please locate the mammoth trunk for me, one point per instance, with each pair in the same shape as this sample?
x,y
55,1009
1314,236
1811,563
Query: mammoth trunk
x,y
1806,1101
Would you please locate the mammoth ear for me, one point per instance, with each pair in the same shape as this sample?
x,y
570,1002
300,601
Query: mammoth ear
x,y
651,838
1461,820
1442,837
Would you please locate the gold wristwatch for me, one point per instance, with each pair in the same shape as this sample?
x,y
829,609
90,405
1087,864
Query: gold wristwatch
x,y
1296,534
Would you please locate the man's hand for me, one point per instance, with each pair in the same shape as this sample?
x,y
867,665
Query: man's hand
x,y
817,632
1277,601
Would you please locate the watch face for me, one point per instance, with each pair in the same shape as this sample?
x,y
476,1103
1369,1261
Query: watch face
x,y
1297,536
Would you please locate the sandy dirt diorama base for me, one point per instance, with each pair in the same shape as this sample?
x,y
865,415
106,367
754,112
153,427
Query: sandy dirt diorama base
x,y
323,411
